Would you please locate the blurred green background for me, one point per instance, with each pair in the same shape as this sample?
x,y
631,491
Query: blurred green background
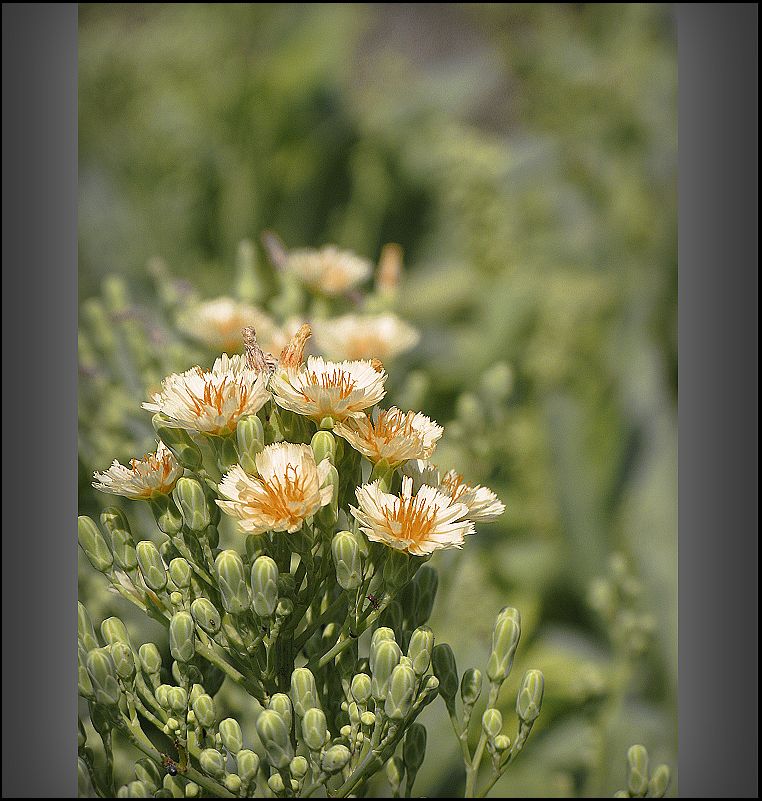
x,y
524,157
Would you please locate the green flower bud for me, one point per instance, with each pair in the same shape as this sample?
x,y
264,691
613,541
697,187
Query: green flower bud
x,y
492,723
162,695
190,498
232,783
264,586
329,514
151,566
502,743
122,544
414,748
182,637
205,615
347,558
100,668
232,582
137,789
335,758
92,543
250,439
427,582
113,630
178,699
166,514
281,703
505,640
324,447
124,663
387,656
147,772
81,734
529,699
397,569
256,545
180,572
276,784
85,630
179,442
360,688
446,671
380,634
232,737
173,788
637,771
84,783
203,709
195,691
212,763
471,686
395,773
303,691
275,738
247,765
299,767
368,719
176,599
659,783
193,790
314,729
172,726
284,608
401,692
231,632
420,648
345,731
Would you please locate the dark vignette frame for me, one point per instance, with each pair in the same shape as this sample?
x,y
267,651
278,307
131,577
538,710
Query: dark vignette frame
x,y
717,47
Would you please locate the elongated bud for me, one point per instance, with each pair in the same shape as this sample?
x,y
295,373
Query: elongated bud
x,y
92,543
212,763
275,738
84,683
204,710
250,440
247,765
427,582
347,559
264,586
183,448
314,729
505,640
178,699
446,671
637,771
276,784
150,658
298,767
281,703
232,737
231,782
395,773
100,668
414,748
182,637
303,691
386,657
167,515
162,695
180,572
122,544
324,447
659,783
471,686
420,649
529,699
147,772
492,723
379,635
396,570
151,566
232,582
360,688
335,758
190,498
85,630
124,662
206,615
399,697
113,630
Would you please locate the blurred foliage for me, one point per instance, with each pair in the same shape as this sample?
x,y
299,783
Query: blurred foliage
x,y
523,156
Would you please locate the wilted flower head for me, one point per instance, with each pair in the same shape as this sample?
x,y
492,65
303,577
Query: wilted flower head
x,y
211,401
394,435
328,270
329,389
287,491
418,523
354,336
483,505
154,474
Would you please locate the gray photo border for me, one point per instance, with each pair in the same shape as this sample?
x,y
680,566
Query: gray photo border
x,y
717,47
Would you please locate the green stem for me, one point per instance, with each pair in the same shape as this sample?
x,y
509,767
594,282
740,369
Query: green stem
x,y
472,770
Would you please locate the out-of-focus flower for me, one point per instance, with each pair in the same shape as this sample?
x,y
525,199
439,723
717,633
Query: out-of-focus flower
x,y
322,389
154,474
211,401
328,270
418,524
288,490
354,336
421,472
394,435
483,505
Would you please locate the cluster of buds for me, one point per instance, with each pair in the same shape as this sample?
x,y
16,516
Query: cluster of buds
x,y
318,605
640,782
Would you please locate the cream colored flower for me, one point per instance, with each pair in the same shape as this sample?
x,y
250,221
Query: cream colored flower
x,y
328,270
354,336
287,491
154,474
483,505
211,401
329,389
394,435
418,523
